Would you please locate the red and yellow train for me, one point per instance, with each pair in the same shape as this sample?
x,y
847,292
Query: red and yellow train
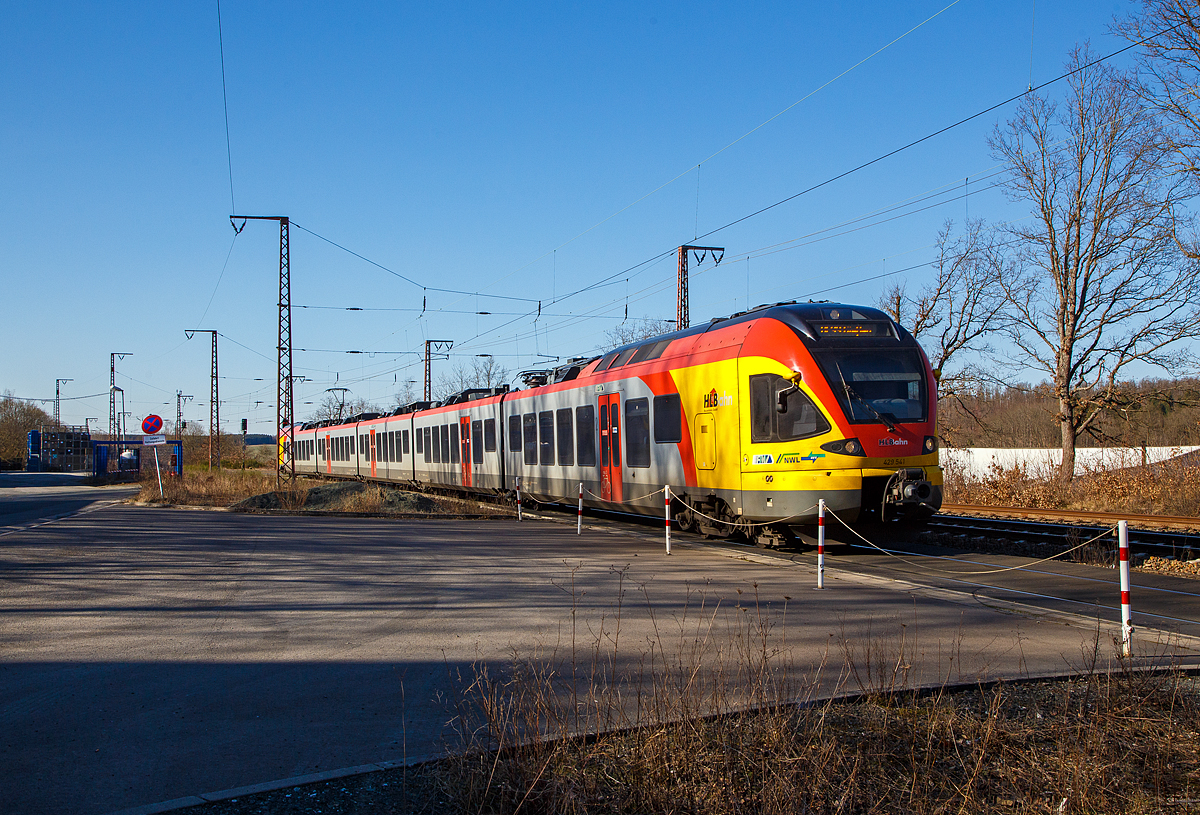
x,y
749,419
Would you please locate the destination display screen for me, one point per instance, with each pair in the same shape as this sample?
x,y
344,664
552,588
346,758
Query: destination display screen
x,y
856,328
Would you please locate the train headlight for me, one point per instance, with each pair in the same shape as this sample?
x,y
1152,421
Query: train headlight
x,y
930,444
845,447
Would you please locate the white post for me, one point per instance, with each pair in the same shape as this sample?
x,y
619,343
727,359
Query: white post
x,y
820,543
667,515
1126,625
518,498
157,470
579,517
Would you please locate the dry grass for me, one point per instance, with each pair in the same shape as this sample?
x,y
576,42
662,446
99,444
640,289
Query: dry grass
x,y
711,716
1170,488
702,727
219,488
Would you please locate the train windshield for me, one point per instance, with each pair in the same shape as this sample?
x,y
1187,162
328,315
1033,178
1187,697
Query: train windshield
x,y
877,386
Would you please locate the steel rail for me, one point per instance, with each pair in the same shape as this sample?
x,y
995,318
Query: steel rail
x,y
1102,518
1149,541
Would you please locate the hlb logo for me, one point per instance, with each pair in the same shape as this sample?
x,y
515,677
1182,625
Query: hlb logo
x,y
891,442
713,400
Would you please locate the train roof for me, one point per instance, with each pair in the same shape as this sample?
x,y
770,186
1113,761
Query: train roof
x,y
806,319
833,324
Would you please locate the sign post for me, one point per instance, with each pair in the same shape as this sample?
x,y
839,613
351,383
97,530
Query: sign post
x,y
150,426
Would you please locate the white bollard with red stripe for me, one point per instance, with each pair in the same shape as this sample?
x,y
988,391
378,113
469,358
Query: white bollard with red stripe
x,y
579,519
667,515
518,498
1126,624
820,543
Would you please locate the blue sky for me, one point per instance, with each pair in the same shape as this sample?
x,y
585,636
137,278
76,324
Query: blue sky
x,y
484,147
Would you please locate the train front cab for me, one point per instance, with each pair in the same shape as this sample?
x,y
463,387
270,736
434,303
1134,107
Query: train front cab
x,y
836,403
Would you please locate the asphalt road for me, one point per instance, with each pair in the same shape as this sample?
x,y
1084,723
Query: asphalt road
x,y
27,498
152,654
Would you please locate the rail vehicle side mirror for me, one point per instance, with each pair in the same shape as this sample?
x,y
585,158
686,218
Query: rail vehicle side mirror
x,y
782,397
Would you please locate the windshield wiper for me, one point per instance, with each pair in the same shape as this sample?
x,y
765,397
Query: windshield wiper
x,y
851,393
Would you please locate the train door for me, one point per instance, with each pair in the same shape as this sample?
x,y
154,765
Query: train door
x,y
328,454
464,440
371,452
610,447
706,441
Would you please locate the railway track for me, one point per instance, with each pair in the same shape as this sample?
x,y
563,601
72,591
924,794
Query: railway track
x,y
1163,536
1072,516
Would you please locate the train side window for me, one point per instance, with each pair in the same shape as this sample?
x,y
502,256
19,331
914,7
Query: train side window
x,y
427,433
351,450
546,437
799,419
529,434
392,446
659,348
637,433
514,434
489,435
761,407
447,458
453,441
420,447
604,439
649,351
585,435
606,361
614,420
623,357
404,451
566,437
477,442
668,426
436,438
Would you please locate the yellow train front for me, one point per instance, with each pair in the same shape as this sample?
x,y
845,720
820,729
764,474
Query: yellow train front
x,y
749,419
809,401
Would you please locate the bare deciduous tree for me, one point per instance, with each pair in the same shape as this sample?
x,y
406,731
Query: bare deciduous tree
x,y
480,372
334,407
632,331
956,311
1168,75
1098,282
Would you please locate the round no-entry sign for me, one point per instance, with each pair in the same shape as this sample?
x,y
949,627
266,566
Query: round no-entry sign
x,y
151,424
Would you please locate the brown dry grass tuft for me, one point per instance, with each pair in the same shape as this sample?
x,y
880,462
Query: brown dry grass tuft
x,y
219,488
1170,488
690,726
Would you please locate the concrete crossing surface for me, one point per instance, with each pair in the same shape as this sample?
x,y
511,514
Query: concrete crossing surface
x,y
151,654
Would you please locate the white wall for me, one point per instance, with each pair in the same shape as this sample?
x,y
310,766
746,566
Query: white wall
x,y
975,462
